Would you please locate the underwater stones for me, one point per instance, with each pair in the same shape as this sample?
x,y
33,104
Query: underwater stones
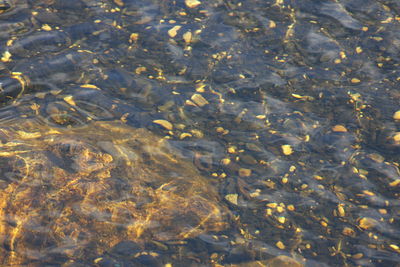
x,y
78,192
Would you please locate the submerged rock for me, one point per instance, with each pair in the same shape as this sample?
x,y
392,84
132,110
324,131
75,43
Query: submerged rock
x,y
75,193
278,261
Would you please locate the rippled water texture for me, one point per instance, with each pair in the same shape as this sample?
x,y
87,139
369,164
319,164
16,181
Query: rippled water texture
x,y
199,133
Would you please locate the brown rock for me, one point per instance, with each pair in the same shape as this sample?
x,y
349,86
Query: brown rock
x,y
81,191
339,128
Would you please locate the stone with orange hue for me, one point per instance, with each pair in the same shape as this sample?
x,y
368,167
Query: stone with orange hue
x,y
80,191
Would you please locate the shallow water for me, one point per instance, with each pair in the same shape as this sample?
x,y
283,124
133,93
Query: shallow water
x,y
199,133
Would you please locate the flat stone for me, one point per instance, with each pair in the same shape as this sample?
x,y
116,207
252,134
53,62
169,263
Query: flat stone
x,y
278,261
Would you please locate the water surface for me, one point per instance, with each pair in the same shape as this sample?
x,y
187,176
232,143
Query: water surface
x,y
199,133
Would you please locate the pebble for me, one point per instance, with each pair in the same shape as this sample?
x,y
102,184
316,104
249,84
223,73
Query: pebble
x,y
6,56
281,219
166,124
348,231
197,133
395,183
378,158
244,172
394,247
339,128
280,245
70,100
46,27
231,149
199,100
119,2
367,223
226,161
187,36
232,198
341,211
184,135
272,205
133,37
174,31
192,3
396,138
290,207
287,150
396,115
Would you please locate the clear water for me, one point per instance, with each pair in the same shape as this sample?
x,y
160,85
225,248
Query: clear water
x,y
199,133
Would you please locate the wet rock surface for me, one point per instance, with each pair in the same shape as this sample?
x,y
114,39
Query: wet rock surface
x,y
69,193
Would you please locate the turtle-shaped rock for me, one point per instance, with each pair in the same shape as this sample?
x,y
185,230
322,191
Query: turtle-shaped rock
x,y
76,192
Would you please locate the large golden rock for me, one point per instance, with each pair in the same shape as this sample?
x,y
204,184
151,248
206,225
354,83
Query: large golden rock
x,y
78,192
